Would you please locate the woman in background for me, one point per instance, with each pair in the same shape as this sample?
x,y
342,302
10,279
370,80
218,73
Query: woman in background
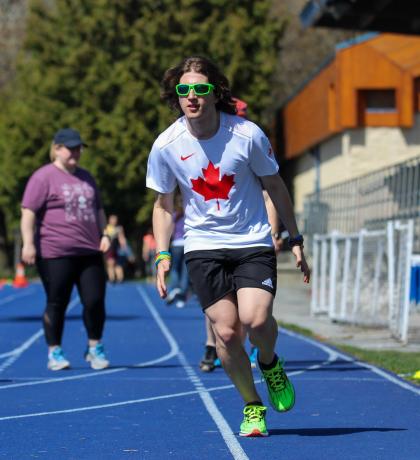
x,y
114,263
148,254
62,228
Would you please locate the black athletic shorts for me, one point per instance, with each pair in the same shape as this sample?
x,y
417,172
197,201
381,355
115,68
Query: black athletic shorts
x,y
215,273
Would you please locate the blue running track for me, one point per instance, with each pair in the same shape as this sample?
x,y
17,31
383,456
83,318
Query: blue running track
x,y
154,403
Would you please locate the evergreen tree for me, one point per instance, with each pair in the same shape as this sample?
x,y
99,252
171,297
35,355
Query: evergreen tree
x,y
96,66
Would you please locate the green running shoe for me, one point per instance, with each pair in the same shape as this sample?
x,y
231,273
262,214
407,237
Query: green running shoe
x,y
253,424
280,389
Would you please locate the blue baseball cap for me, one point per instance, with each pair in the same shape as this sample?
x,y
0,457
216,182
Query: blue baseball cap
x,y
68,137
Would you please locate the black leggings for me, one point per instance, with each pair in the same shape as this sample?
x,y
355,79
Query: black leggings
x,y
58,277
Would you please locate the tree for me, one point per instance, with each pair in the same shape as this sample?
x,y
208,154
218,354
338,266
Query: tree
x,y
97,65
12,20
303,50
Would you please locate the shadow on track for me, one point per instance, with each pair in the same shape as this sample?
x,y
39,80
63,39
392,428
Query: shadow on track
x,y
36,319
328,431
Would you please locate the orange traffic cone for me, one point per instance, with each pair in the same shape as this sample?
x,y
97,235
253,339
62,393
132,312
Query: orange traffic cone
x,y
20,280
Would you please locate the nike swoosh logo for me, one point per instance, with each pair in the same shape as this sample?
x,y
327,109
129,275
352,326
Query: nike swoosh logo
x,y
186,157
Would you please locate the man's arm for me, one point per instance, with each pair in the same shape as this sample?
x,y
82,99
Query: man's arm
x,y
273,219
162,229
281,199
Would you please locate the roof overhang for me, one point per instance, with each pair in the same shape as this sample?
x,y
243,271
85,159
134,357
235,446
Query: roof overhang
x,y
396,16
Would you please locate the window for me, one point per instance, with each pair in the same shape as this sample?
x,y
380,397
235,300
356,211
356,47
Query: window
x,y
417,94
380,100
377,107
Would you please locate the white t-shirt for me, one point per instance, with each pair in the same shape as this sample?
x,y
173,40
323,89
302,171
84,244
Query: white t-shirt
x,y
218,179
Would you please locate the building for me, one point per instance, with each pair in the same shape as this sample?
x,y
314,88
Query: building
x,y
358,114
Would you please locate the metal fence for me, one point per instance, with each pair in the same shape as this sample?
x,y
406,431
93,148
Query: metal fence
x,y
392,193
364,278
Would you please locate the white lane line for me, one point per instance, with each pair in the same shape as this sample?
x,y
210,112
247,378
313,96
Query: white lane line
x,y
21,348
332,356
172,353
117,404
17,352
166,357
374,369
19,295
230,439
7,354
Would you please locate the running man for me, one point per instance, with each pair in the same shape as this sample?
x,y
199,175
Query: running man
x,y
219,161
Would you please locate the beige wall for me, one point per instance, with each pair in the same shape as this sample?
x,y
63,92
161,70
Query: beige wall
x,y
355,153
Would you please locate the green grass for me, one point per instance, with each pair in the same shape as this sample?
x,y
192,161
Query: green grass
x,y
401,363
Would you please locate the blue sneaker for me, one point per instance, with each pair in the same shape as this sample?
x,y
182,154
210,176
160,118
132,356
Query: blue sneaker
x,y
253,356
96,357
172,295
57,360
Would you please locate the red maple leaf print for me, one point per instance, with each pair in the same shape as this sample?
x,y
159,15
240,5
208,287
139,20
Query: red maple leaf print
x,y
211,187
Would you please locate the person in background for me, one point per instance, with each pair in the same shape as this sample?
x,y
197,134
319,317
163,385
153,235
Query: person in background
x,y
126,260
178,286
219,161
148,254
114,262
62,225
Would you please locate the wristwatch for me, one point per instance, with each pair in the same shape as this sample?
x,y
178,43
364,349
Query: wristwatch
x,y
296,241
276,235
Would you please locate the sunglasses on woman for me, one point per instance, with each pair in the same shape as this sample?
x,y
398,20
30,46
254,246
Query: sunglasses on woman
x,y
200,89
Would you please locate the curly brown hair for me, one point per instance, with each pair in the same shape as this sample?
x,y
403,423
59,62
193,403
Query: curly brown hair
x,y
202,65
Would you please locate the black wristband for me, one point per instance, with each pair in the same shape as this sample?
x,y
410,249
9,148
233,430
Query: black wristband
x,y
296,241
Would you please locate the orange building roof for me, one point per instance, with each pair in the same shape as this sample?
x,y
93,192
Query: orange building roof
x,y
332,101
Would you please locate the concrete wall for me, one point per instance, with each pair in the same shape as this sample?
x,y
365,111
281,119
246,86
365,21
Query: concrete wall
x,y
354,153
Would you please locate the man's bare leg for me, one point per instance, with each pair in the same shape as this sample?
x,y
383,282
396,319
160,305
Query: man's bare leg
x,y
228,330
210,335
255,311
256,314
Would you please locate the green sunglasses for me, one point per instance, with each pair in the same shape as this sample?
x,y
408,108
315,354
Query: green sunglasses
x,y
200,89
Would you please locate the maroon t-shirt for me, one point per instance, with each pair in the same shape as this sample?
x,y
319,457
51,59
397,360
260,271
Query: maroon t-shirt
x,y
66,208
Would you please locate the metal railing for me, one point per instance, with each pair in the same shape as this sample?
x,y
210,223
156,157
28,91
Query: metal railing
x,y
364,278
391,193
